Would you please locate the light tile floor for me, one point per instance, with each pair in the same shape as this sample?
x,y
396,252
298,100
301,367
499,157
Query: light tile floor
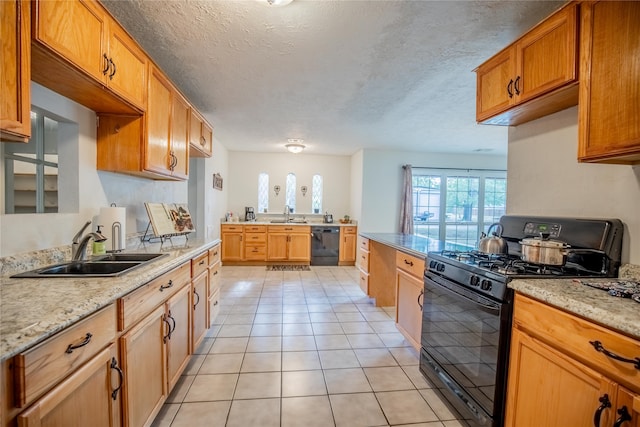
x,y
303,349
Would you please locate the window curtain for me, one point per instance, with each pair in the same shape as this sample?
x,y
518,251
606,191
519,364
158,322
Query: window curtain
x,y
406,205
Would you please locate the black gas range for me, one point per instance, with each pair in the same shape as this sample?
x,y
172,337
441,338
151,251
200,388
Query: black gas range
x,y
468,306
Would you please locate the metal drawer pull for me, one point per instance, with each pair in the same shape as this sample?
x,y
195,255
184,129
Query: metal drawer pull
x,y
87,340
600,348
410,263
167,286
604,404
201,262
624,416
114,365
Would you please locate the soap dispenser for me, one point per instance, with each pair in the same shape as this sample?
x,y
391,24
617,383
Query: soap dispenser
x,y
99,248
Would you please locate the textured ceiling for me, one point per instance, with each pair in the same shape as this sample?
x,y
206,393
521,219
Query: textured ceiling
x,y
342,75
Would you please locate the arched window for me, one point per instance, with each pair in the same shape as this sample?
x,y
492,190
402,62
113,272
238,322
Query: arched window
x,y
290,193
263,192
316,193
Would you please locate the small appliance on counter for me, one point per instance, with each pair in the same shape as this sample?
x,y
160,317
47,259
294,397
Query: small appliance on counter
x,y
328,218
249,214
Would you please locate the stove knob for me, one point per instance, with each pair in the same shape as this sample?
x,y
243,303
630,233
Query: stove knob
x,y
432,264
474,281
440,267
486,285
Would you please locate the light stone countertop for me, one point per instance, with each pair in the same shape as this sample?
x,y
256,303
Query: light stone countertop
x,y
32,310
337,223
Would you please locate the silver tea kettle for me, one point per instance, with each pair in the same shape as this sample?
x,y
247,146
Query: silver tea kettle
x,y
493,244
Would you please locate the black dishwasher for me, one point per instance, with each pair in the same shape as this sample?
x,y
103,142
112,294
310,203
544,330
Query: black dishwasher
x,y
325,245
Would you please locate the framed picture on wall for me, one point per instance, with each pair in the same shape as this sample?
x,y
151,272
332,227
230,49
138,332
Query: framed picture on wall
x,y
217,181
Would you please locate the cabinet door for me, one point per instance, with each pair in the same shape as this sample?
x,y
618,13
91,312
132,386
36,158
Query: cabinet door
x,y
300,247
75,30
207,136
143,362
200,136
609,129
277,244
495,79
409,307
15,70
199,304
627,408
546,56
157,151
347,251
179,153
127,75
89,396
179,339
553,389
232,246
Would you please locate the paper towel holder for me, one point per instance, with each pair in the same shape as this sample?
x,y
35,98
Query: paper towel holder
x,y
116,239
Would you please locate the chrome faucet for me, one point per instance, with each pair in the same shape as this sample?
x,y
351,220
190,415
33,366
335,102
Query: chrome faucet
x,y
79,244
286,213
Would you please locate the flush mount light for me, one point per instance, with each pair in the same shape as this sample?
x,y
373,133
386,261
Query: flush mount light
x,y
275,3
295,146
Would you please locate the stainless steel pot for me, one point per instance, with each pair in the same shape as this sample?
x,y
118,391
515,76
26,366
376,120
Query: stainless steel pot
x,y
494,244
544,251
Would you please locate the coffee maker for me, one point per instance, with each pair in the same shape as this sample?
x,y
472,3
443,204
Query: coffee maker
x,y
249,214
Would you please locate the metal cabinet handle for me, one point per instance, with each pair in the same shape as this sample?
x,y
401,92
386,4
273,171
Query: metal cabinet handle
x,y
421,295
106,64
516,85
166,337
509,86
600,348
624,416
203,141
113,73
604,404
215,272
409,263
201,262
87,340
114,365
195,293
167,286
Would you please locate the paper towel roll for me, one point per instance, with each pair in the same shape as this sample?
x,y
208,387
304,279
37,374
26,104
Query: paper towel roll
x,y
114,220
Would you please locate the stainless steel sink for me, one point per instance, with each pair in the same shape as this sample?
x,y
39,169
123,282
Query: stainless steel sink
x,y
291,221
142,257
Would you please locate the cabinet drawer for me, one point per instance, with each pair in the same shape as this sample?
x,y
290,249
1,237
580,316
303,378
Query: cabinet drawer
x,y
199,264
572,335
411,264
136,305
363,243
229,228
214,254
255,238
289,229
214,279
255,228
349,230
364,282
44,365
363,260
255,251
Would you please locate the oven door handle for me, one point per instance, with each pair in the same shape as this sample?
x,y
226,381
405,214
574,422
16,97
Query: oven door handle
x,y
491,307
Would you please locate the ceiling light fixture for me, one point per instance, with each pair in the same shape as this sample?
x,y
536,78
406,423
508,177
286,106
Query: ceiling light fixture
x,y
277,3
295,146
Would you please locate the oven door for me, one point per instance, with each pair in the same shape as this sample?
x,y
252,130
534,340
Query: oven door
x,y
465,340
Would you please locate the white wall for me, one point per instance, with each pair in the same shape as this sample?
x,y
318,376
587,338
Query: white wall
x,y
545,179
356,184
24,233
242,180
382,181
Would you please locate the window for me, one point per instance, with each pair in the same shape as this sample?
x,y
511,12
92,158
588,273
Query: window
x,y
31,170
290,192
263,192
457,205
316,194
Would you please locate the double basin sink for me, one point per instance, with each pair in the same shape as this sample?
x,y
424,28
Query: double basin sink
x,y
110,265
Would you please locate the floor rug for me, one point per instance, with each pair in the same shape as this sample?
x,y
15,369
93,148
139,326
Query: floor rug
x,y
288,268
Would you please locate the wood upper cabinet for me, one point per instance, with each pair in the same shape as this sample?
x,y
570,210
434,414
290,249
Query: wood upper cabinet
x,y
347,249
15,71
542,65
153,145
87,38
89,396
580,384
200,136
609,128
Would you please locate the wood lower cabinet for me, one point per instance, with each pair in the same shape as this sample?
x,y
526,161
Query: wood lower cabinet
x,y
289,243
409,296
199,302
557,378
15,71
213,290
232,242
178,340
608,127
348,242
89,396
255,242
362,262
542,64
